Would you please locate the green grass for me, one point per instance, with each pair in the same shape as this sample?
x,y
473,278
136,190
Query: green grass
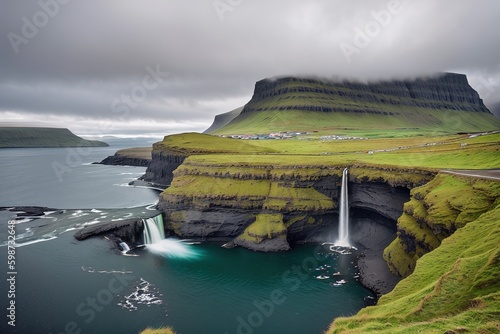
x,y
436,152
135,152
197,143
435,211
266,226
456,288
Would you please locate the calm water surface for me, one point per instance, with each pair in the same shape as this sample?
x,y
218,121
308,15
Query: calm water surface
x,y
66,286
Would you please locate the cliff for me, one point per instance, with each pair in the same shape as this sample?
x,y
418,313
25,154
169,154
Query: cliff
x,y
303,104
23,137
265,207
138,156
170,153
435,211
454,288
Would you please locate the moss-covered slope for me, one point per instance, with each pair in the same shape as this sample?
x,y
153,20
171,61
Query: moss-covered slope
x,y
435,211
453,289
11,137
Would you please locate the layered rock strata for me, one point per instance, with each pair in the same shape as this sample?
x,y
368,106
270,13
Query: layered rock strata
x,y
447,91
265,208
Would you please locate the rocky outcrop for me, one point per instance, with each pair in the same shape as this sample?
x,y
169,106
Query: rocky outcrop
x,y
136,156
129,231
120,160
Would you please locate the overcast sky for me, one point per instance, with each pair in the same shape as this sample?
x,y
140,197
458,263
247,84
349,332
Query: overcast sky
x,y
156,67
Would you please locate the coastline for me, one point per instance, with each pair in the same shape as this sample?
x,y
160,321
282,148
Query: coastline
x,y
136,156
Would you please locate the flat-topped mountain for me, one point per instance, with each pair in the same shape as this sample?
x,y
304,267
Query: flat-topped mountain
x,y
23,137
445,103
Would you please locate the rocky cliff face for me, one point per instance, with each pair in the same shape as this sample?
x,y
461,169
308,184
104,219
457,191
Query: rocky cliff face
x,y
266,208
161,167
448,91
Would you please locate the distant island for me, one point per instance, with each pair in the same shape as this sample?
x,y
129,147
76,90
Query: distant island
x,y
34,137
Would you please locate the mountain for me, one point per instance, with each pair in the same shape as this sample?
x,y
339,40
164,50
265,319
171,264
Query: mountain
x,y
21,137
222,120
441,104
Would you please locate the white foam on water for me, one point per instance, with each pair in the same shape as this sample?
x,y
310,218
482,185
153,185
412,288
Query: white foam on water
x,y
35,241
23,220
172,248
92,222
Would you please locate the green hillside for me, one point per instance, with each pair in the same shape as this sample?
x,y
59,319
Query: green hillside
x,y
454,289
23,137
442,105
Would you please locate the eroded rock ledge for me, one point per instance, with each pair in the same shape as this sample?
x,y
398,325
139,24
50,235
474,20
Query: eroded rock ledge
x,y
257,205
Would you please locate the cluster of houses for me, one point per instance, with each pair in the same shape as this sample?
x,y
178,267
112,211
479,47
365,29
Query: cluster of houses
x,y
288,135
273,135
336,137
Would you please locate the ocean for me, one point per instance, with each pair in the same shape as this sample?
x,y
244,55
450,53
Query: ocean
x,y
61,285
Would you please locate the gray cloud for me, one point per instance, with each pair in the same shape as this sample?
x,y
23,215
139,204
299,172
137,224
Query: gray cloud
x,y
74,59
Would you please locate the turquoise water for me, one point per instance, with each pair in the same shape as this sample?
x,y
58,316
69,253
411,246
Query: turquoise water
x,y
67,286
194,288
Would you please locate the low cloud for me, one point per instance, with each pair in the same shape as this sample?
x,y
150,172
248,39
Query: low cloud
x,y
72,59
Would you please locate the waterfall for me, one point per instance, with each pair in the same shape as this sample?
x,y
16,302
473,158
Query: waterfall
x,y
155,242
153,230
343,239
125,248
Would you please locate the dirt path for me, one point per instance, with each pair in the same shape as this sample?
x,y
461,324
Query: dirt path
x,y
490,174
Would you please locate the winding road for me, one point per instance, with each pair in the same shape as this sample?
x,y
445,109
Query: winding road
x,y
490,174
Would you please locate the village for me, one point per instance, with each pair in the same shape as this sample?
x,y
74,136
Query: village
x,y
289,135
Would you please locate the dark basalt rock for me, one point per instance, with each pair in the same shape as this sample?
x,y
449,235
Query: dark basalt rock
x,y
130,231
119,160
379,197
162,165
447,91
26,211
268,245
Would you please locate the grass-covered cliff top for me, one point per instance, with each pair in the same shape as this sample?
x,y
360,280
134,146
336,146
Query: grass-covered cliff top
x,y
427,153
197,143
21,137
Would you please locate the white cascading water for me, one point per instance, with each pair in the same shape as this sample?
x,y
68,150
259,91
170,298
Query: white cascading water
x,y
343,239
125,248
153,230
154,239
